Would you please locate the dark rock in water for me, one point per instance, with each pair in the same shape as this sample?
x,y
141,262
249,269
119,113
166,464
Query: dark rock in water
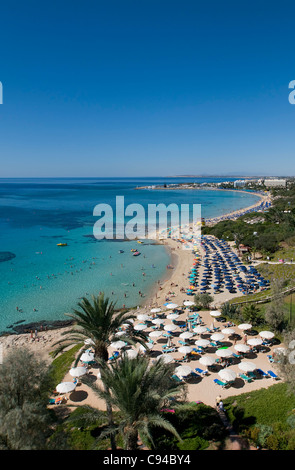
x,y
45,324
6,256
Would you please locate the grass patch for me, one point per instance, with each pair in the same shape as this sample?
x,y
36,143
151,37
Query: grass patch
x,y
264,406
61,365
265,416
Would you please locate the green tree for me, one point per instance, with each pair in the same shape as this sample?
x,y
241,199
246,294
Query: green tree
x,y
229,310
251,313
24,416
139,391
99,322
204,300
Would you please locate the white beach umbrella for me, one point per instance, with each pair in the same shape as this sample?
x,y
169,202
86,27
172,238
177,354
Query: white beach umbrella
x,y
215,313
227,331
183,371
120,333
140,327
118,344
188,303
78,371
242,348
186,335
202,342
147,346
158,321
200,329
89,341
156,310
171,306
166,358
227,374
143,317
131,353
217,336
155,334
254,341
247,366
65,387
245,326
173,316
87,357
266,334
170,327
223,353
185,349
207,360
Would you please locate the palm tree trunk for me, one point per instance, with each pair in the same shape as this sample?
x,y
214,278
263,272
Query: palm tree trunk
x,y
110,420
132,438
102,352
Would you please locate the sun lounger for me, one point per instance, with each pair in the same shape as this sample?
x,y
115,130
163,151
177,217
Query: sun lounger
x,y
168,349
272,375
237,356
184,358
56,401
182,342
219,382
252,375
178,379
246,378
201,371
261,372
114,356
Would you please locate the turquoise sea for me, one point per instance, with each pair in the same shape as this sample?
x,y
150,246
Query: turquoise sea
x,y
40,281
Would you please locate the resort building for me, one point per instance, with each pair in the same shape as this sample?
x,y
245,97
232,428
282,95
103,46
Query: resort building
x,y
239,183
272,183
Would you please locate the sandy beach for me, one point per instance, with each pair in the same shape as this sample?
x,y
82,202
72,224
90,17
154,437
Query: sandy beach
x,y
173,289
263,199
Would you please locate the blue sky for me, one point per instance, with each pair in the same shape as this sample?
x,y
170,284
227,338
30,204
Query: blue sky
x,y
146,88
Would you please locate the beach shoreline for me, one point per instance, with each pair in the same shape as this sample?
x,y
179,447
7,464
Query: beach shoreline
x,y
173,288
156,294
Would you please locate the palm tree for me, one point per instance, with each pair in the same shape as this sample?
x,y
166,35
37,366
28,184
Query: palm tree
x,y
139,391
251,313
98,322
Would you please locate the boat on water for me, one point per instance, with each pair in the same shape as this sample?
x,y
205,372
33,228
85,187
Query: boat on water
x,y
136,253
139,241
133,249
121,251
62,244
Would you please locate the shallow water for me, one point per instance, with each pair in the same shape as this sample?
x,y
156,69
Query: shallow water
x,y
41,281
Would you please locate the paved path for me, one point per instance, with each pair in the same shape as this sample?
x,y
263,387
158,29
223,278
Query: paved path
x,y
234,441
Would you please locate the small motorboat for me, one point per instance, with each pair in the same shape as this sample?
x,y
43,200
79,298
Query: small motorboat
x,y
121,251
133,249
62,244
136,253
